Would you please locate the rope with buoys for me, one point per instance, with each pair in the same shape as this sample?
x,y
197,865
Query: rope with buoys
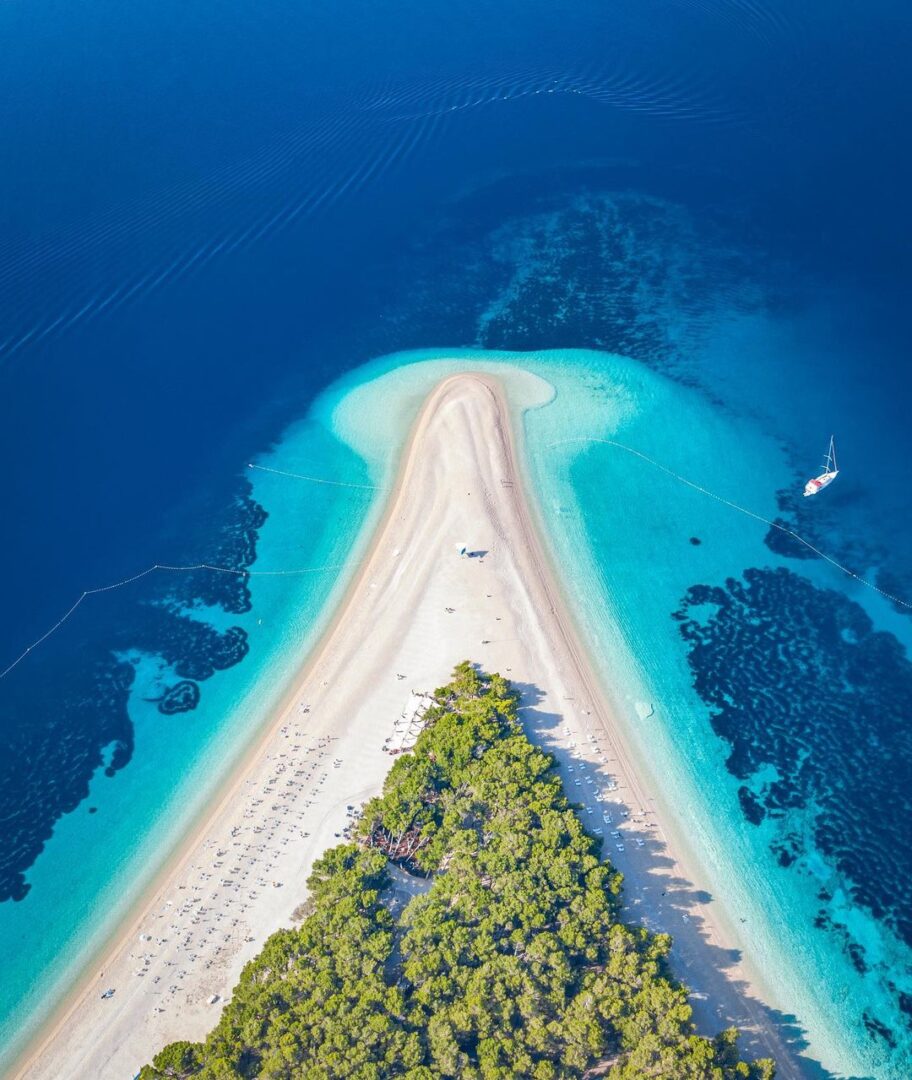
x,y
314,479
150,570
741,510
371,487
197,566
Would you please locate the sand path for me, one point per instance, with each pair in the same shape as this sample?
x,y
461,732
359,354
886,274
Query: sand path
x,y
415,609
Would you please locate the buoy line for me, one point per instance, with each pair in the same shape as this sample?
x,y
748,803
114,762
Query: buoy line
x,y
372,487
314,479
152,569
741,510
197,566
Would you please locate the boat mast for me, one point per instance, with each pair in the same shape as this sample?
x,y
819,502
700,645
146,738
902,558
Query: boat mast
x,y
831,455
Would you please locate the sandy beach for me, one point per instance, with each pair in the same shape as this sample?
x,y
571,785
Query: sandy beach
x,y
414,610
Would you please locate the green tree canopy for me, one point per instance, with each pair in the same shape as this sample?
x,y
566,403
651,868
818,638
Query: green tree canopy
x,y
515,963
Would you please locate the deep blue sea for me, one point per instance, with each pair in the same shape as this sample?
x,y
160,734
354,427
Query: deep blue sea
x,y
209,214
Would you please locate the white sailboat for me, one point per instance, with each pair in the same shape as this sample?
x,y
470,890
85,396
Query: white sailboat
x,y
829,474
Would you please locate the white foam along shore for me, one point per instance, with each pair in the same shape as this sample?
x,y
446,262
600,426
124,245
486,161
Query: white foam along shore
x,y
414,609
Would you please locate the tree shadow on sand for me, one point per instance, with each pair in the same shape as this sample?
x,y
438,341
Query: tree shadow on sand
x,y
657,896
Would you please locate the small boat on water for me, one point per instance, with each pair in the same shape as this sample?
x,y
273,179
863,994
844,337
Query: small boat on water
x,y
829,474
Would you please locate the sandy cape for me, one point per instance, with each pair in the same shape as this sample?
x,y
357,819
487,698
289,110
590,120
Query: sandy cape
x,y
413,611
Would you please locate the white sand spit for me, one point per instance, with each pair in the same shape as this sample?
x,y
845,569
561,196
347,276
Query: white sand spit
x,y
415,609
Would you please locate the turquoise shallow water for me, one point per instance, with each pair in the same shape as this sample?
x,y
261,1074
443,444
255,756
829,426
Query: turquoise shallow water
x,y
629,542
305,553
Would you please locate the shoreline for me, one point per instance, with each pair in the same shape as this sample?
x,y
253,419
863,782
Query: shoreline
x,y
532,577
185,844
721,928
